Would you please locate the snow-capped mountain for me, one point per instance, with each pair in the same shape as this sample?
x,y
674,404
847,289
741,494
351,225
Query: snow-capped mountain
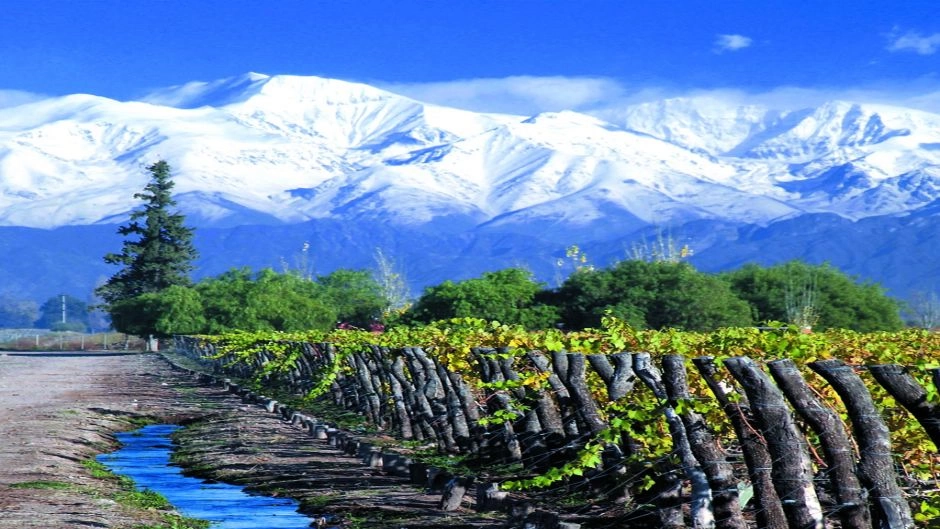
x,y
286,150
300,148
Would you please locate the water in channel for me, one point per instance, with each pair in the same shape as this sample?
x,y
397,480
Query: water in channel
x,y
145,458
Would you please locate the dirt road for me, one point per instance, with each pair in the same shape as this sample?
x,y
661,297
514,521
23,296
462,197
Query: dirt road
x,y
56,411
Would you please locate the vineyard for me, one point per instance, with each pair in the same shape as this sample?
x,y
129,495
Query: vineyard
x,y
613,427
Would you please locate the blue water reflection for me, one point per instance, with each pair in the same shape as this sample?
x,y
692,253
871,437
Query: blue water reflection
x,y
145,458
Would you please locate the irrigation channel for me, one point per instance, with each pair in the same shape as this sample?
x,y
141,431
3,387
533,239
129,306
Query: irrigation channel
x,y
144,456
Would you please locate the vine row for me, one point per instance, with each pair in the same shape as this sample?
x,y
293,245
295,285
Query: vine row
x,y
743,418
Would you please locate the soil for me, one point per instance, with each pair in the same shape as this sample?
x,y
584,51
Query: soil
x,y
56,411
60,409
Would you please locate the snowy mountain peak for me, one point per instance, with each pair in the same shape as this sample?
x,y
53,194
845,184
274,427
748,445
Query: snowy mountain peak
x,y
700,123
565,118
268,162
259,148
213,93
320,90
840,131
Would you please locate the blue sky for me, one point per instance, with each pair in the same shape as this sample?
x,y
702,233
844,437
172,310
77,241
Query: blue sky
x,y
486,55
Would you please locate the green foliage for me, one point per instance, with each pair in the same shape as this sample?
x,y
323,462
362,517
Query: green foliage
x,y
840,302
137,315
42,485
238,300
157,252
50,314
99,470
355,295
143,499
508,296
17,313
180,310
639,417
655,295
175,310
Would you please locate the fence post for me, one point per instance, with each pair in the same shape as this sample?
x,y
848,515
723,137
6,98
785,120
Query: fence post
x,y
581,394
840,457
437,398
546,408
711,458
791,470
497,400
455,410
401,417
911,395
769,513
531,435
701,508
419,429
875,466
618,377
568,422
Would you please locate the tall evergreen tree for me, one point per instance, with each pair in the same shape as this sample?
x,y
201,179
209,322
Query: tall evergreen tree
x,y
158,249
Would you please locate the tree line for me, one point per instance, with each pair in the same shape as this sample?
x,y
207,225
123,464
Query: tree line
x,y
152,293
16,313
661,294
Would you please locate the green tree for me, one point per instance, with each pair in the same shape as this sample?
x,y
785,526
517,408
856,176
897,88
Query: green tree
x,y
239,300
655,295
17,313
157,252
508,296
356,296
225,301
76,314
838,300
179,311
137,315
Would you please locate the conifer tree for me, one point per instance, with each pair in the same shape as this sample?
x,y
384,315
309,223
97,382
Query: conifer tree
x,y
158,250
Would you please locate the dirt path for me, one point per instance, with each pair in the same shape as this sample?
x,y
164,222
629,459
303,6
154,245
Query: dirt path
x,y
57,410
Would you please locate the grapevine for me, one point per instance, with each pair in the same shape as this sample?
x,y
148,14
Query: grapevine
x,y
638,416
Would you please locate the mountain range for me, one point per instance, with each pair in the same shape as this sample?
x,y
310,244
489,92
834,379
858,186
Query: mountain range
x,y
264,164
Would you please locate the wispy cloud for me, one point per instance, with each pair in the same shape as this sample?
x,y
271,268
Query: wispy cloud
x,y
12,98
531,95
915,42
920,95
725,43
525,95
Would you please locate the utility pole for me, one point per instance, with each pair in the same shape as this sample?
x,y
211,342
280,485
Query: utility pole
x,y
63,308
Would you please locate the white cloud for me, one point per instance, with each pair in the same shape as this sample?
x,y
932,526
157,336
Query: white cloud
x,y
524,95
914,41
12,98
532,95
725,43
